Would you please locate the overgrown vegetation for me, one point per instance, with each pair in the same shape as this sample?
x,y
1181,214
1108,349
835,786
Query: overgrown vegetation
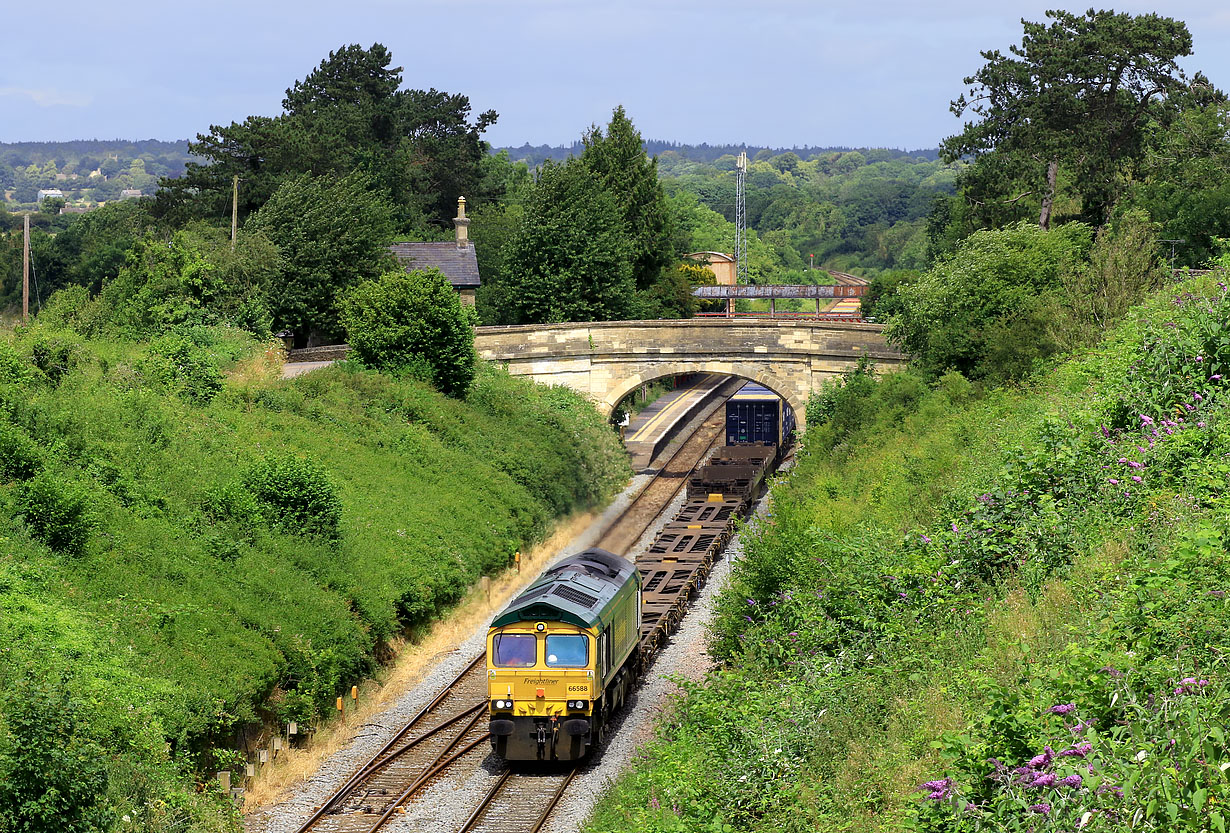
x,y
193,546
970,612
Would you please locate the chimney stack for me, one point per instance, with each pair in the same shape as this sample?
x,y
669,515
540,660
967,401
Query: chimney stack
x,y
462,224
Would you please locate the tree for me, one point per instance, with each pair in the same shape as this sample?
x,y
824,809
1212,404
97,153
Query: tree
x,y
331,233
412,322
619,164
571,259
1067,111
418,148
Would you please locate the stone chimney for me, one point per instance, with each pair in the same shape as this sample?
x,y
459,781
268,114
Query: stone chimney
x,y
462,224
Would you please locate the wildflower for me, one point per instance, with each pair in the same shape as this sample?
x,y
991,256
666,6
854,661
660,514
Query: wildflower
x,y
1123,459
1073,780
954,526
1215,377
925,539
1197,397
1145,420
1112,481
751,602
1201,424
937,790
1078,751
1062,708
1046,780
1188,681
1041,808
1200,358
1041,760
1137,478
1134,465
902,594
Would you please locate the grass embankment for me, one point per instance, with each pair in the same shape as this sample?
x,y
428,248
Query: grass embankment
x,y
194,546
1005,612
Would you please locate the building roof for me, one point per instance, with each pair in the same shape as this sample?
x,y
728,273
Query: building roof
x,y
778,290
712,257
458,263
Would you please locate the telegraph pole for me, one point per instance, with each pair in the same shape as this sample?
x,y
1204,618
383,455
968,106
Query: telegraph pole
x,y
25,274
234,209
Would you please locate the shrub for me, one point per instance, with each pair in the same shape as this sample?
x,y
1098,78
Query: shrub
x,y
180,364
55,352
19,456
52,777
296,495
56,511
412,322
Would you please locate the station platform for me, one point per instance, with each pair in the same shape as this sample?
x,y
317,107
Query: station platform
x,y
651,429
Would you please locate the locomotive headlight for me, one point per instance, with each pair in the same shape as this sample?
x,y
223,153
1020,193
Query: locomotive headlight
x,y
503,704
576,704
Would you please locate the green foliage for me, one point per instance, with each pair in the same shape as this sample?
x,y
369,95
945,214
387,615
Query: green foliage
x,y
20,458
184,366
417,149
331,234
986,613
1068,111
570,260
619,165
56,511
52,775
412,322
295,495
984,311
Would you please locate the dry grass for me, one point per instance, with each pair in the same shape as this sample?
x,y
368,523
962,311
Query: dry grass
x,y
413,661
257,372
1018,629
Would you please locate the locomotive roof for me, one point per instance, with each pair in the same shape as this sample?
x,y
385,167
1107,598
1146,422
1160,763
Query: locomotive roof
x,y
577,591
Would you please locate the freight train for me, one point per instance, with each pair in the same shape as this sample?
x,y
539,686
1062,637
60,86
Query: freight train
x,y
563,656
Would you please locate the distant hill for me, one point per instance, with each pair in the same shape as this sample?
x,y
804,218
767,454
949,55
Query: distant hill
x,y
704,152
87,171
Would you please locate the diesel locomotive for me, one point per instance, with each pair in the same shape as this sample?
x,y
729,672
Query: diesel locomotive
x,y
560,658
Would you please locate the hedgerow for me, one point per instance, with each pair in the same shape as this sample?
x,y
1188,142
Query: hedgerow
x,y
988,613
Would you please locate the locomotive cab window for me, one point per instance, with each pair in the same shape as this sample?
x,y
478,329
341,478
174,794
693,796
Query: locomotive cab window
x,y
515,650
567,650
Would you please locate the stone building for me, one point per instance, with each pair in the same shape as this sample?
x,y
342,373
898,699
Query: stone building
x,y
455,259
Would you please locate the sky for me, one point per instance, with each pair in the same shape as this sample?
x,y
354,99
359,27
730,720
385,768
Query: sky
x,y
779,73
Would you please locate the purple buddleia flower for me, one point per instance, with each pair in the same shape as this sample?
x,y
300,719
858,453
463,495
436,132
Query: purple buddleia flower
x,y
1073,780
1062,708
1078,751
1146,420
1042,808
1044,780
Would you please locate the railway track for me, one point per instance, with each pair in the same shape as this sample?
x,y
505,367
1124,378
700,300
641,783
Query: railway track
x,y
447,729
452,727
519,802
640,514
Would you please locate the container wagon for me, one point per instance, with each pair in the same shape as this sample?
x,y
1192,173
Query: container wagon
x,y
758,415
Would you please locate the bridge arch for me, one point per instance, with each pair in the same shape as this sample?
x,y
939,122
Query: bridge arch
x,y
606,360
753,373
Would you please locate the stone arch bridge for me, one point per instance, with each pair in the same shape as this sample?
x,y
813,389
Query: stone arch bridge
x,y
608,360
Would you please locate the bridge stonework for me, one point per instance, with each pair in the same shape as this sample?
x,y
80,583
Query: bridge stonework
x,y
608,360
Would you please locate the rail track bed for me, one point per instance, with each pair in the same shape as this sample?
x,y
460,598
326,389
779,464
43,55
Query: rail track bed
x,y
721,487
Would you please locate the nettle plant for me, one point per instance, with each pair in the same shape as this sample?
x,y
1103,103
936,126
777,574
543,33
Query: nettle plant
x,y
1119,760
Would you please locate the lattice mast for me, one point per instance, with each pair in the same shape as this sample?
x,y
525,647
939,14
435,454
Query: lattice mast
x,y
741,219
